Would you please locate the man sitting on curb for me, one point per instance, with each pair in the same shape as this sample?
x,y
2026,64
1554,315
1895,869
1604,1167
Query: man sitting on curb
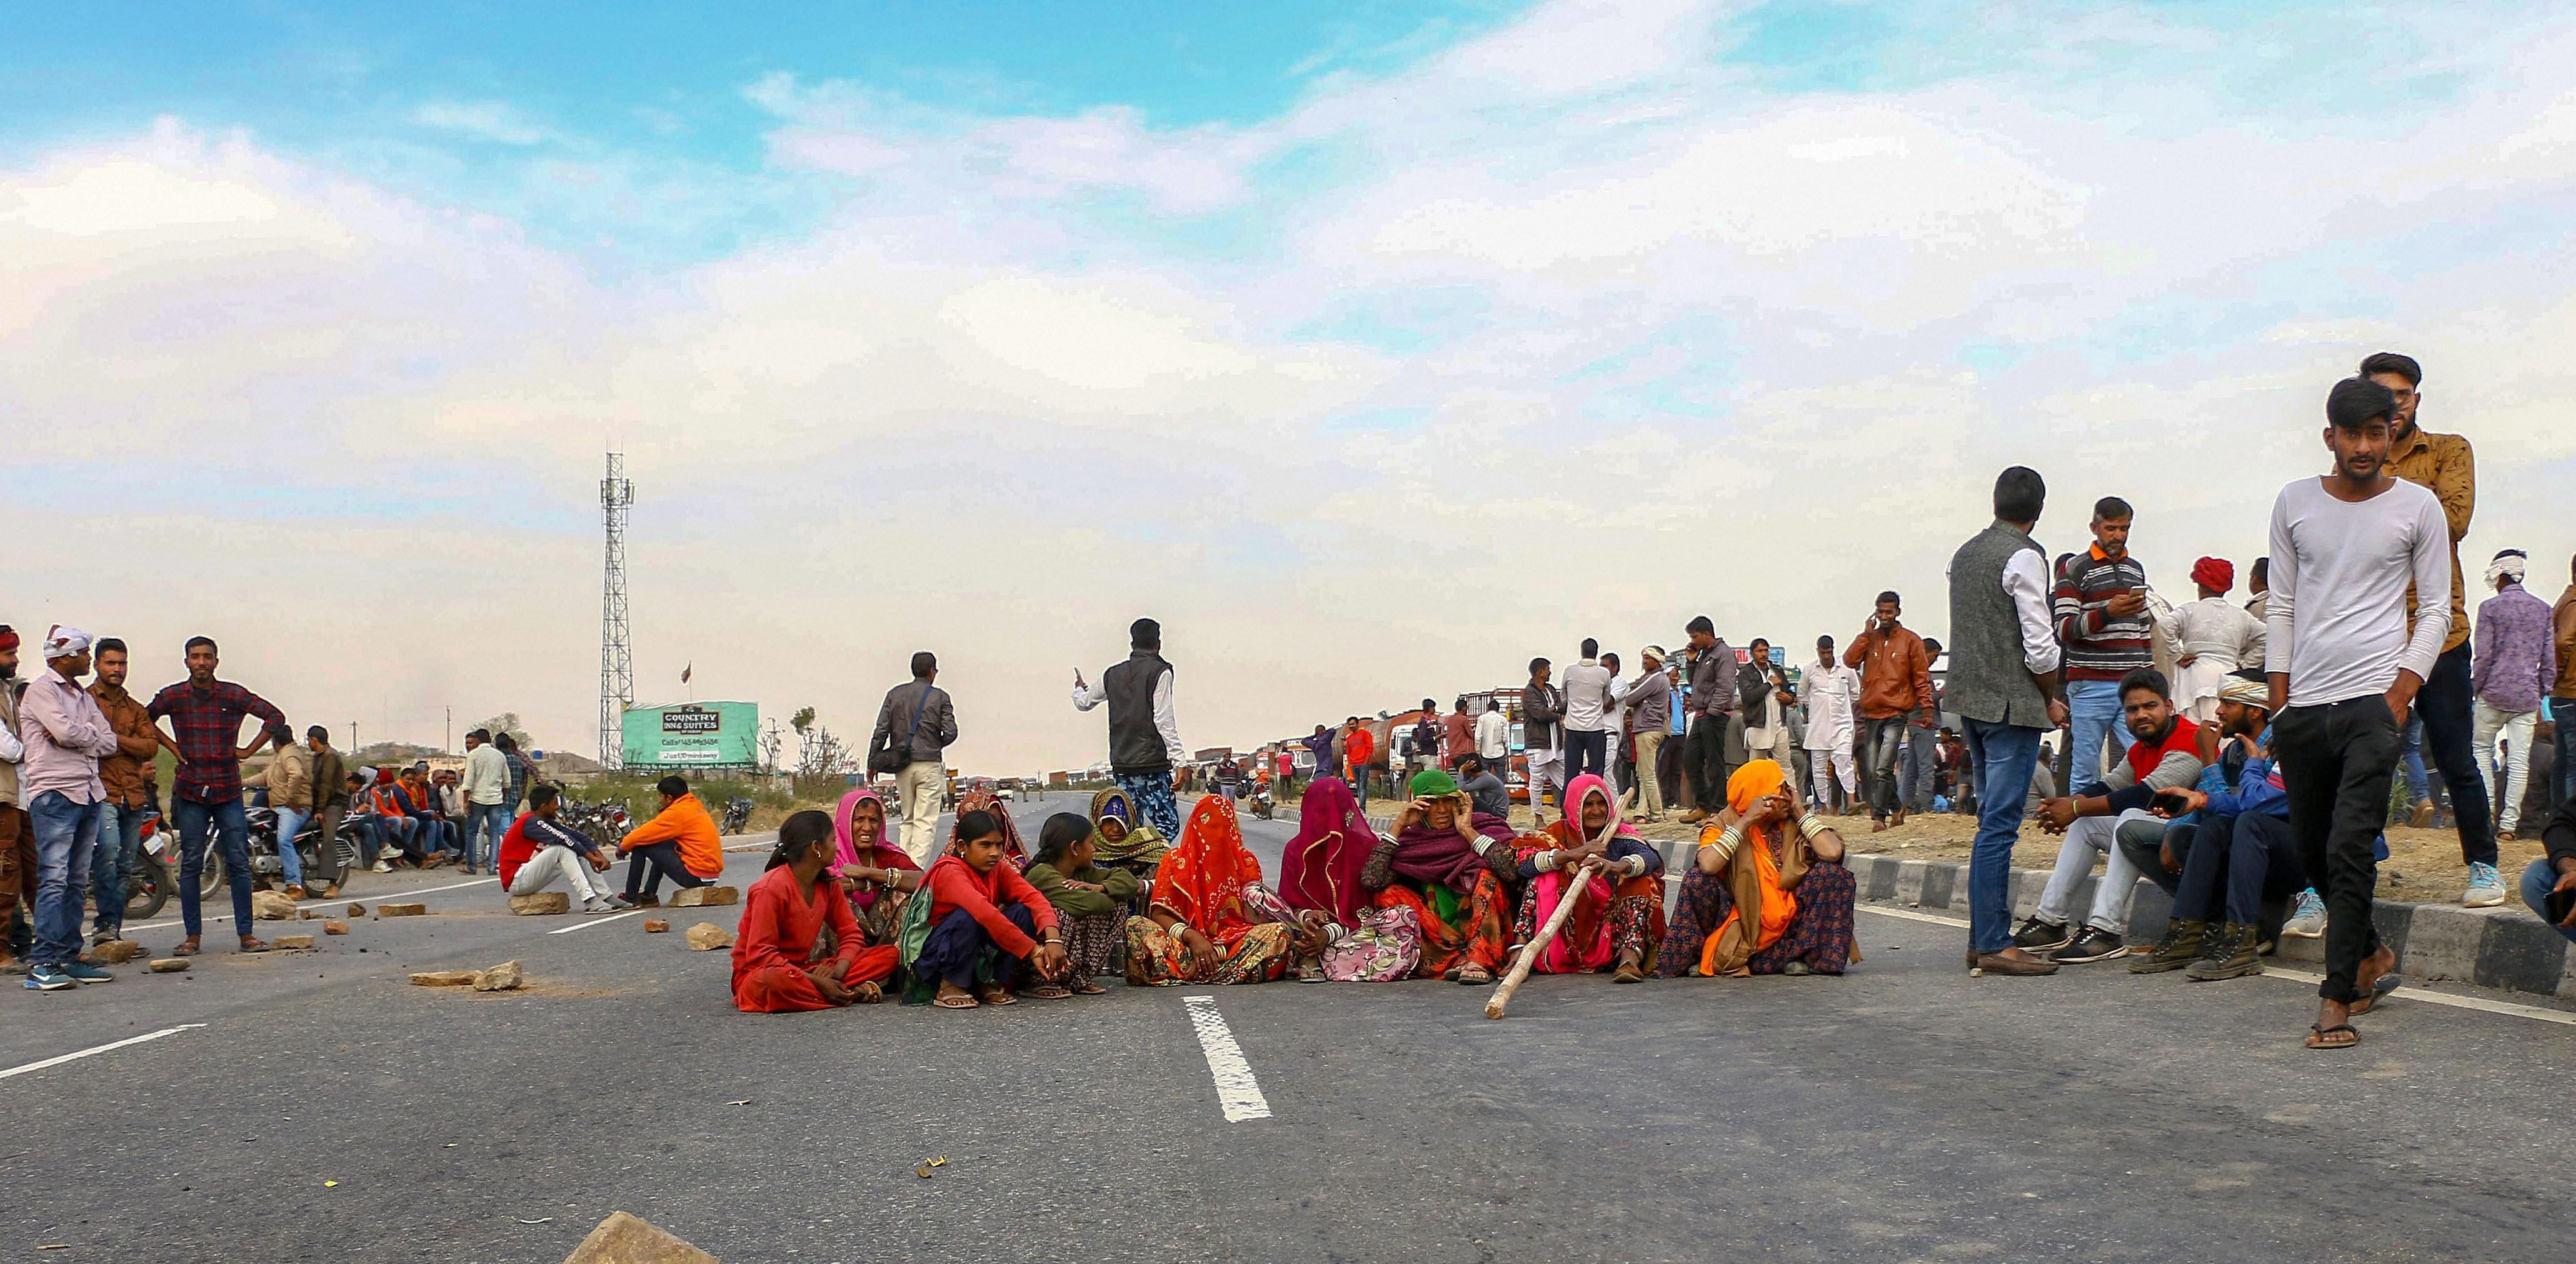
x,y
2554,874
2233,833
2164,756
538,849
679,843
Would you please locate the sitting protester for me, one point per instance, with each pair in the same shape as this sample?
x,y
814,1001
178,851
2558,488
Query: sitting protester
x,y
777,945
1768,892
679,843
1448,864
1090,900
982,927
1618,917
2165,756
2230,850
1484,789
1209,919
1320,879
1014,852
1122,839
878,875
2553,876
539,848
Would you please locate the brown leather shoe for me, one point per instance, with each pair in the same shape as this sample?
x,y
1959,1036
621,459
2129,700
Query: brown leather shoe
x,y
1998,963
1694,816
2423,817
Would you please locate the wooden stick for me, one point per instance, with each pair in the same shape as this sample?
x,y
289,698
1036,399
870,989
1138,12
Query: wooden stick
x,y
1546,935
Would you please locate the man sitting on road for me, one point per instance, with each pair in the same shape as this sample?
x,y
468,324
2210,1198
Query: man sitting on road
x,y
679,843
2554,874
539,848
2229,851
2163,756
1485,791
412,796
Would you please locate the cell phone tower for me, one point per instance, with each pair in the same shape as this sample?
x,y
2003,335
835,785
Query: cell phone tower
x,y
616,653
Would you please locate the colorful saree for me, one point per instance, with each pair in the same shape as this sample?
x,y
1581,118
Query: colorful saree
x,y
1320,869
1212,884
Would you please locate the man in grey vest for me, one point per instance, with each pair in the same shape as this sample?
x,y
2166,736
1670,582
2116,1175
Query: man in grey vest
x,y
918,723
1145,751
2003,688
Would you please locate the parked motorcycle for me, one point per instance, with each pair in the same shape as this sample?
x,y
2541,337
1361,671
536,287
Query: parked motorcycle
x,y
156,869
1261,805
603,823
737,814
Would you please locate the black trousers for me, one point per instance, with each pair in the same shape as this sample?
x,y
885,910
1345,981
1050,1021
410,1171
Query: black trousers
x,y
1586,752
647,865
2445,703
2338,759
1704,758
2242,868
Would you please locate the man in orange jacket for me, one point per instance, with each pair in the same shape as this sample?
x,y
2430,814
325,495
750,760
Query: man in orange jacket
x,y
679,843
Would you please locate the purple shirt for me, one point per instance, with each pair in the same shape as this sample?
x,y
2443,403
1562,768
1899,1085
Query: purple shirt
x,y
64,733
2516,659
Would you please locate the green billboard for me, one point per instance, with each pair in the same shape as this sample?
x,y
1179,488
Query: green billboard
x,y
693,735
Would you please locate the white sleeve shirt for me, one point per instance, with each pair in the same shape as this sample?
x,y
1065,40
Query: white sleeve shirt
x,y
2026,582
1085,697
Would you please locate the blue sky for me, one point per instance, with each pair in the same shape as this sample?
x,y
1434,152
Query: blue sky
x,y
1454,332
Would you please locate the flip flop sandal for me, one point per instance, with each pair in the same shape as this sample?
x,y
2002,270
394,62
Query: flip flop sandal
x,y
187,950
1628,974
1048,992
954,1002
2379,987
256,945
1000,998
2323,1037
866,994
1088,988
1475,976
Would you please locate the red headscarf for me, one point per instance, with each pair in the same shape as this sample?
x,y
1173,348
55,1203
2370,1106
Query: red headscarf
x,y
1202,878
1321,868
2215,572
882,855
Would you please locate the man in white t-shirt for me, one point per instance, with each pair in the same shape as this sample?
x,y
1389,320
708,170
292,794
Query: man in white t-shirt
x,y
2344,668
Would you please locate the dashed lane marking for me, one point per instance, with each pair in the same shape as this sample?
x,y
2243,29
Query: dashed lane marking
x,y
2271,971
589,921
1237,1092
98,1049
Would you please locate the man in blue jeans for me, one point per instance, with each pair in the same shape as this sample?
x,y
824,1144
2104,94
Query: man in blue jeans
x,y
2555,871
126,775
63,735
2106,631
207,714
488,807
2003,686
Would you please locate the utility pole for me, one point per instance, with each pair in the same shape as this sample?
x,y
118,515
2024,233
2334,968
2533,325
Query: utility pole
x,y
451,729
353,737
616,654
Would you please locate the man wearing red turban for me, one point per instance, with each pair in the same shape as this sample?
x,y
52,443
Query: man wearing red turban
x,y
2216,637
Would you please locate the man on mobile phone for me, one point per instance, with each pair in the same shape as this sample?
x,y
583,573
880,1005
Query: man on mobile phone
x,y
2103,621
2163,755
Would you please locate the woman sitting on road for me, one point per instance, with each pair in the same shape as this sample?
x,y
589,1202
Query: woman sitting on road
x,y
1122,839
783,919
878,875
1090,900
981,927
1617,924
1014,853
1448,864
1769,894
1210,920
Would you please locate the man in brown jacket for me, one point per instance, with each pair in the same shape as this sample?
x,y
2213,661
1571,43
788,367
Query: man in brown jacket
x,y
125,774
1895,681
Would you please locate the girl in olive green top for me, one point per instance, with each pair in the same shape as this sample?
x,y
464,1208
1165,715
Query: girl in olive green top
x,y
1091,901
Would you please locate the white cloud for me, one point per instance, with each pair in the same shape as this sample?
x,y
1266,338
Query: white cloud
x,y
496,121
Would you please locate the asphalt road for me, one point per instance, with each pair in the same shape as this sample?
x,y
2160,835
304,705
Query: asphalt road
x,y
1903,1112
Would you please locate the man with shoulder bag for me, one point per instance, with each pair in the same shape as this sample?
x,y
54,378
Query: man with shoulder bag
x,y
914,729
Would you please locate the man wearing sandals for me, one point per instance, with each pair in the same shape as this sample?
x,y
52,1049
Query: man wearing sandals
x,y
2343,668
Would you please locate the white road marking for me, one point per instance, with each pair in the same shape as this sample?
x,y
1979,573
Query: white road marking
x,y
587,921
342,899
2271,971
1236,1091
117,1044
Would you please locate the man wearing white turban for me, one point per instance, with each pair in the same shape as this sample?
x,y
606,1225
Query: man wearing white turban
x,y
2515,663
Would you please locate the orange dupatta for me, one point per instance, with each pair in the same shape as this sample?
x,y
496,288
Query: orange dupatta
x,y
1202,878
1775,905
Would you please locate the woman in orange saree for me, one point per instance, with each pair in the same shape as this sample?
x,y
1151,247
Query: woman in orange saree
x,y
1768,894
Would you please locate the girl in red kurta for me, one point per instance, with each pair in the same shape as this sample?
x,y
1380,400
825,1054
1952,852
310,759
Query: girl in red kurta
x,y
774,971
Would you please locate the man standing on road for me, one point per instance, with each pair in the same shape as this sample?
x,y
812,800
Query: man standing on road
x,y
2516,663
207,715
1542,734
1648,701
2258,580
2106,630
330,803
521,772
1426,741
487,800
2344,668
17,844
917,723
1711,703
1832,691
2443,465
2003,688
1587,701
63,736
1144,732
120,814
1494,735
1457,736
1359,751
1895,681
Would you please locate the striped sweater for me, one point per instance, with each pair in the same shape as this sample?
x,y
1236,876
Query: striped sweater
x,y
2098,645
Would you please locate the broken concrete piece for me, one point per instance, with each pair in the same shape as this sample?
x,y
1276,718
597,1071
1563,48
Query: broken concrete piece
x,y
540,904
402,910
335,928
624,1239
444,978
292,941
357,910
115,952
271,906
707,936
169,965
655,926
705,897
501,978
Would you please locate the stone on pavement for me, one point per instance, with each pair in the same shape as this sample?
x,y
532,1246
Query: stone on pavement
x,y
169,965
271,906
501,978
624,1239
335,928
703,897
293,941
444,978
357,910
402,910
655,926
541,903
706,936
312,915
116,952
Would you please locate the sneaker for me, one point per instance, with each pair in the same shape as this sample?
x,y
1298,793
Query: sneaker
x,y
2180,947
2036,935
83,972
49,979
2486,887
2230,955
599,906
2308,920
620,903
2095,944
382,867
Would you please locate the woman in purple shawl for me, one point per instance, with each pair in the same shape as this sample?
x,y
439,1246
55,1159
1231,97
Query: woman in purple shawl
x,y
1447,863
